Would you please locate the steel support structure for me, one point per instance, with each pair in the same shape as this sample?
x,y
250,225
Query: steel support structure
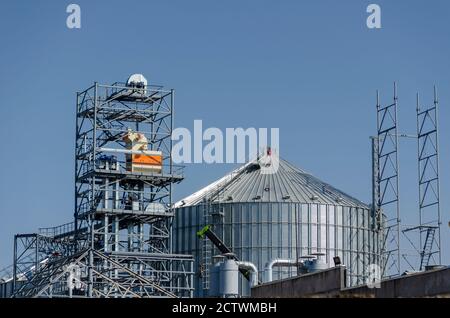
x,y
376,211
387,207
426,237
122,223
33,251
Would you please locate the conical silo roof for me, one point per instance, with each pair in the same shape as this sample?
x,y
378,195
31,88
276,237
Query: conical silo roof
x,y
288,183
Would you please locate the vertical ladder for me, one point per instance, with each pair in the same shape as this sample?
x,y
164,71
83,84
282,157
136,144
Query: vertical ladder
x,y
213,215
206,248
427,247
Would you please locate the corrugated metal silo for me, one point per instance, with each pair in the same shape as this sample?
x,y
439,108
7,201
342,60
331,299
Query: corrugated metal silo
x,y
287,214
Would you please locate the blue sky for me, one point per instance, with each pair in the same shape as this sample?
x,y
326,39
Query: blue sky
x,y
310,68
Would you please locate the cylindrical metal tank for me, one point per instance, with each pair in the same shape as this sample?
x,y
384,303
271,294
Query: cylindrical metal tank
x,y
229,279
314,265
287,214
214,285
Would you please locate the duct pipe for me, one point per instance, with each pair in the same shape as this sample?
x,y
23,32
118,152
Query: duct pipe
x,y
375,184
277,262
130,151
253,272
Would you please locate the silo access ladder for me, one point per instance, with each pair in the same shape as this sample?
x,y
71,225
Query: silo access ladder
x,y
213,214
427,250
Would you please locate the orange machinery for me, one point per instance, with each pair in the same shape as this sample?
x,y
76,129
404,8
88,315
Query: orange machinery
x,y
140,158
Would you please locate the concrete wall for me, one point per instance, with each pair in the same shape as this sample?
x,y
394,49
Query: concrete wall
x,y
433,283
318,284
331,283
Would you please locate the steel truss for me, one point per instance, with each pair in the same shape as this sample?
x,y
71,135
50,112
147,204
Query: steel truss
x,y
33,251
111,276
426,238
119,244
387,209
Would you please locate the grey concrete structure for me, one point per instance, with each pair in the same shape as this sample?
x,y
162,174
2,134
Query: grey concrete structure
x,y
319,284
432,283
331,283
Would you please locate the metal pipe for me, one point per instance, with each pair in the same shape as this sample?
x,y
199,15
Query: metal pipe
x,y
375,193
253,271
397,183
418,164
14,282
128,151
77,135
436,119
277,262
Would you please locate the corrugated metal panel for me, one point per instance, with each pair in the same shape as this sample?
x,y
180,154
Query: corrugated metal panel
x,y
260,232
287,184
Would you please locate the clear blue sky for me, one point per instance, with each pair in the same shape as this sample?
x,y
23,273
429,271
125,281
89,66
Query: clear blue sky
x,y
310,68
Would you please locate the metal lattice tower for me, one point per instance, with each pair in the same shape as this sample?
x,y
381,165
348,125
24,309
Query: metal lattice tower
x,y
120,239
426,238
388,201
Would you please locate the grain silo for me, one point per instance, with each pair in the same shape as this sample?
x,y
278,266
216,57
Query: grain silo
x,y
287,214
